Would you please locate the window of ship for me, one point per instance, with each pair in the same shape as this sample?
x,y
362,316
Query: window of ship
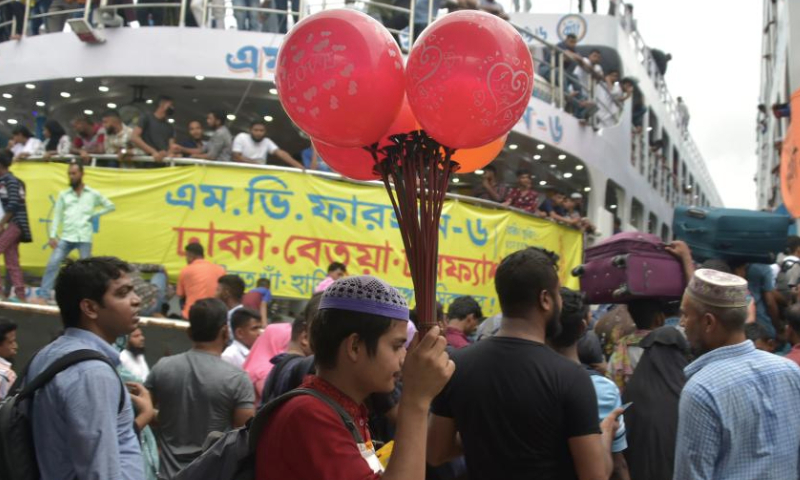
x,y
652,224
665,234
615,196
637,214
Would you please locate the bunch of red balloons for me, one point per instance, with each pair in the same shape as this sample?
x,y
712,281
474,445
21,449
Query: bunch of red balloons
x,y
341,79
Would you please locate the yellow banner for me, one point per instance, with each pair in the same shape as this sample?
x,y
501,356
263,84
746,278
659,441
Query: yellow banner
x,y
287,227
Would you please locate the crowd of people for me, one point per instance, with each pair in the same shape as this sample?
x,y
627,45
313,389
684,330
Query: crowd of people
x,y
152,135
550,203
551,387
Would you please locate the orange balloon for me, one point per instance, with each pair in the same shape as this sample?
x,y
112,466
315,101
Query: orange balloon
x,y
790,161
471,159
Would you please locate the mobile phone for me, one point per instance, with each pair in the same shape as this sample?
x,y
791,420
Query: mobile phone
x,y
626,406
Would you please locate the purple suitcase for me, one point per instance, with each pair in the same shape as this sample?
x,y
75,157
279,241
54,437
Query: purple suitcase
x,y
630,266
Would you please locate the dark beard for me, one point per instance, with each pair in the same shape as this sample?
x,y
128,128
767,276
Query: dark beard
x,y
136,351
553,327
75,185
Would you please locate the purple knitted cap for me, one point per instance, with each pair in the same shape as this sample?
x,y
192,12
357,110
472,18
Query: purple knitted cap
x,y
365,294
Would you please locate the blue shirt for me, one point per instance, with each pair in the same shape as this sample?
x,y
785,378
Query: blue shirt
x,y
307,156
759,281
738,417
77,429
608,398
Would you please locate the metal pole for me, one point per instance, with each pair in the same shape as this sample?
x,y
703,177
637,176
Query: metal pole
x,y
205,14
302,9
182,19
412,7
25,19
430,12
561,77
86,9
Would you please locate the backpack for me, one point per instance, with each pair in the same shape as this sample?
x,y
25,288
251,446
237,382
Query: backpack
x,y
17,451
233,455
782,279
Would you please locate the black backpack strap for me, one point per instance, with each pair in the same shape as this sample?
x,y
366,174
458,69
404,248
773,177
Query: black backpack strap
x,y
258,423
60,365
272,379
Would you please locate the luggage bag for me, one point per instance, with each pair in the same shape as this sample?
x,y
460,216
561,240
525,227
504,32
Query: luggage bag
x,y
630,266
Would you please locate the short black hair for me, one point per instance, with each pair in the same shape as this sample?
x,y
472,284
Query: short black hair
x,y
756,331
21,130
792,316
337,266
206,317
717,264
332,326
85,279
644,312
164,98
258,122
617,72
6,158
462,307
522,172
594,50
263,282
111,113
76,163
573,313
6,327
306,318
792,244
412,314
242,316
219,115
195,249
308,314
572,36
233,284
82,117
522,276
490,168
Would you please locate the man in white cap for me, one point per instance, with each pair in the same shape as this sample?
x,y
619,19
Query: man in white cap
x,y
738,411
358,338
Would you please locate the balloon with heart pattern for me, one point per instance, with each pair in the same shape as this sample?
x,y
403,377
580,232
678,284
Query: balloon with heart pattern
x,y
357,163
469,78
340,77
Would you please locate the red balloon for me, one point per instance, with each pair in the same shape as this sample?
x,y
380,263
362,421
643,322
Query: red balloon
x,y
357,163
340,77
469,79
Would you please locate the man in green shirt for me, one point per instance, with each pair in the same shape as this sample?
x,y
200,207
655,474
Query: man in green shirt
x,y
73,214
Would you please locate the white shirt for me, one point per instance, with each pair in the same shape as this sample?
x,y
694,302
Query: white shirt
x,y
31,147
244,144
136,364
61,149
236,354
583,75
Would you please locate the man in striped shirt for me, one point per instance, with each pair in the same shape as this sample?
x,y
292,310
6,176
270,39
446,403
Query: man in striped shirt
x,y
14,227
738,410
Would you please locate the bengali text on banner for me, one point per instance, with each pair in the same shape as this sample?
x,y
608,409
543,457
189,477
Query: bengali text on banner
x,y
287,227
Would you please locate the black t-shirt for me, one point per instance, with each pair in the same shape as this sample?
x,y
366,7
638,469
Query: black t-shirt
x,y
516,403
156,133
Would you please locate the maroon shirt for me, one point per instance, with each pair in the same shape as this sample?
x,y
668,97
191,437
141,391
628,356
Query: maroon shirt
x,y
523,200
306,439
456,338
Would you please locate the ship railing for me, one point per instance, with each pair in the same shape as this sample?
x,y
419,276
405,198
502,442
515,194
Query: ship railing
x,y
11,23
548,59
102,13
145,161
52,311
